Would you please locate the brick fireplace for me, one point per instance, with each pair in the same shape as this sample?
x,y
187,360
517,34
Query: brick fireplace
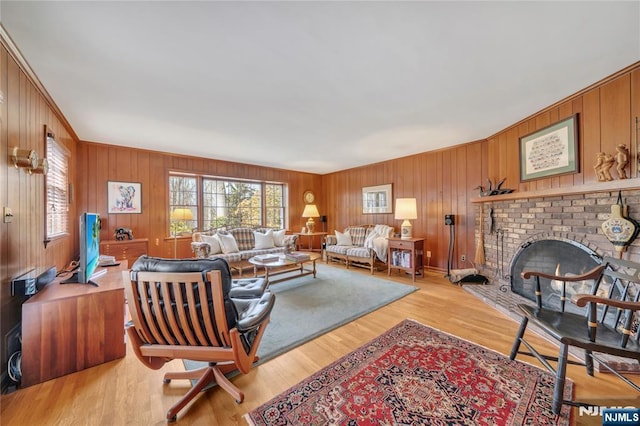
x,y
572,218
520,223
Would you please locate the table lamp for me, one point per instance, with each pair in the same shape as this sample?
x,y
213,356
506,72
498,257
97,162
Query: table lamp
x,y
406,209
179,215
310,211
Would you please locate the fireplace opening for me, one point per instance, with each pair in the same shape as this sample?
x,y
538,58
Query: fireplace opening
x,y
556,257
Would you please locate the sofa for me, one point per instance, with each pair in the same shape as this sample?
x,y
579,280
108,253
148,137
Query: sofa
x,y
237,245
359,245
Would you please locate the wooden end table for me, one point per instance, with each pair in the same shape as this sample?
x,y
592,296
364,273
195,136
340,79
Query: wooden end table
x,y
406,255
309,236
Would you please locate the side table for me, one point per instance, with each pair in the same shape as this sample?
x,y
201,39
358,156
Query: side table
x,y
406,255
309,236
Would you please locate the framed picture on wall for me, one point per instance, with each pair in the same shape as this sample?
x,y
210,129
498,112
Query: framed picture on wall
x,y
124,197
550,151
376,199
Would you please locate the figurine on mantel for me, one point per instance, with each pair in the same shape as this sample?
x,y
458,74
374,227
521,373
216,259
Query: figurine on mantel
x,y
498,190
604,163
622,159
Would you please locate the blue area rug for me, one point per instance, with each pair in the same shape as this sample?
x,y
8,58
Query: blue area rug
x,y
308,307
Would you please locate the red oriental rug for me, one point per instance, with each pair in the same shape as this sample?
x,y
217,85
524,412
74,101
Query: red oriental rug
x,y
416,375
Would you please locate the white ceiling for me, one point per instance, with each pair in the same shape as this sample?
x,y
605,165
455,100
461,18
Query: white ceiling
x,y
314,86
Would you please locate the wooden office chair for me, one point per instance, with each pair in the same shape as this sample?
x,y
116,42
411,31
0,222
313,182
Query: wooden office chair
x,y
608,324
189,315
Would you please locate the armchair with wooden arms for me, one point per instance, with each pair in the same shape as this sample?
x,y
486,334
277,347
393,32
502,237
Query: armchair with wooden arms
x,y
608,325
187,314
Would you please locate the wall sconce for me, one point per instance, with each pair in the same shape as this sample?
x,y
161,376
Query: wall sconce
x,y
405,210
25,158
41,169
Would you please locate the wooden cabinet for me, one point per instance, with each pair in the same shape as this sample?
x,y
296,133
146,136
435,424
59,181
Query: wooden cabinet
x,y
406,255
129,250
70,327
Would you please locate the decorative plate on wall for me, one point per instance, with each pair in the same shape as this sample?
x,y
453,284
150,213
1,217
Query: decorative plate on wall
x,y
309,197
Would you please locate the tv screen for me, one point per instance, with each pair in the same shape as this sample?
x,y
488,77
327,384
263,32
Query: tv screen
x,y
89,249
89,245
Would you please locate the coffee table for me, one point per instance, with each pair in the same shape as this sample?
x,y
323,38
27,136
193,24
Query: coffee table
x,y
285,266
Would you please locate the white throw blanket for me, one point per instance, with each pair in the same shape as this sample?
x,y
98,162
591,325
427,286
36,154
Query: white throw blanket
x,y
377,241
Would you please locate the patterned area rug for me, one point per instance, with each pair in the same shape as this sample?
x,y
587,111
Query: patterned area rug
x,y
416,375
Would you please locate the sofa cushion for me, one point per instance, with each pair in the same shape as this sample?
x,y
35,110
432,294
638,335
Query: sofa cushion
x,y
263,240
214,243
228,243
359,252
247,254
230,257
244,237
338,249
358,234
344,238
279,238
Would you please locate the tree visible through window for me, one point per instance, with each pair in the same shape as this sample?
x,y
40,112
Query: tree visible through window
x,y
219,202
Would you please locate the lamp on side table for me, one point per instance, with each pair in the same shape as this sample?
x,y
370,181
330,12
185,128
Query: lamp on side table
x,y
310,211
406,209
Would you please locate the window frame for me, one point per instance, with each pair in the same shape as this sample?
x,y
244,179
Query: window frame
x,y
199,216
57,176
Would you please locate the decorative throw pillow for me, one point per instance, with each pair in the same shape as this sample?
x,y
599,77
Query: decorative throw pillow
x,y
344,238
263,241
278,237
213,242
228,244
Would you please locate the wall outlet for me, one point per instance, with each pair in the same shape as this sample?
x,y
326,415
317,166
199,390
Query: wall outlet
x,y
428,253
463,257
7,215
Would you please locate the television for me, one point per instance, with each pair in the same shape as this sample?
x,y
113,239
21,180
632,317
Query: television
x,y
89,250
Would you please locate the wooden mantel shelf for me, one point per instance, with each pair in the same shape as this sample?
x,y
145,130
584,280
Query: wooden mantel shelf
x,y
613,185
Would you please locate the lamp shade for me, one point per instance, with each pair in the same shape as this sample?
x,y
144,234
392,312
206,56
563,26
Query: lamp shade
x,y
181,214
406,208
310,210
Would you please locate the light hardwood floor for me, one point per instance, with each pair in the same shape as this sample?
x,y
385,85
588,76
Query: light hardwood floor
x,y
123,392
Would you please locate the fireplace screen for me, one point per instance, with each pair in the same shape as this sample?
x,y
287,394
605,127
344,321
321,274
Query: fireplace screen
x,y
554,257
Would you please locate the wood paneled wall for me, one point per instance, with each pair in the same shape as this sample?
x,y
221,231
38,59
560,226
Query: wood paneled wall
x,y
100,163
607,114
23,117
444,181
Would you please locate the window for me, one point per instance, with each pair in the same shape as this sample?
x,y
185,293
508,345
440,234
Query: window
x,y
57,184
183,204
215,202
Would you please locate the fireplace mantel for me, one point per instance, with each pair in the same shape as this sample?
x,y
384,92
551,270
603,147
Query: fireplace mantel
x,y
613,185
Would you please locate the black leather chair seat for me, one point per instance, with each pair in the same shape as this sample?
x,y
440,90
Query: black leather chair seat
x,y
248,288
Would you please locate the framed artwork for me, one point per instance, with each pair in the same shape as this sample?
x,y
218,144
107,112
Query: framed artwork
x,y
124,197
550,151
377,199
